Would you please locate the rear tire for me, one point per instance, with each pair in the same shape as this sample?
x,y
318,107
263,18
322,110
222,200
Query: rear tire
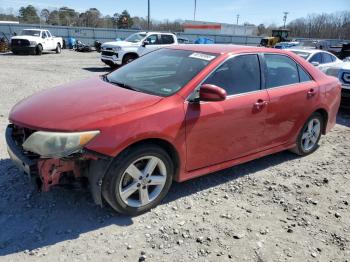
x,y
58,48
138,179
309,136
39,50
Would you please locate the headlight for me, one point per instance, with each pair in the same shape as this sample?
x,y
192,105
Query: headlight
x,y
57,144
332,72
117,48
32,42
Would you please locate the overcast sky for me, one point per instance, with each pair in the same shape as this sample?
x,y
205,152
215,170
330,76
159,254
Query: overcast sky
x,y
253,11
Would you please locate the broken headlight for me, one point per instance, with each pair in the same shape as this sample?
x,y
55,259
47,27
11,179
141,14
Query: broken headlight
x,y
57,144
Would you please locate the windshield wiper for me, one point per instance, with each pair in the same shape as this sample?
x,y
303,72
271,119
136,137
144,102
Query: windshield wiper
x,y
123,85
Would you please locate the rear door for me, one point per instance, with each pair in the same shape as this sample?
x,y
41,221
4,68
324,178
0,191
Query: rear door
x,y
220,131
293,95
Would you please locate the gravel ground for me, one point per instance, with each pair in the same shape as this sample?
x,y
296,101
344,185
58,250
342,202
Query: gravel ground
x,y
277,208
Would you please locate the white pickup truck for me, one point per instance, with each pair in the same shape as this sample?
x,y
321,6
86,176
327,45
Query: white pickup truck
x,y
138,44
35,41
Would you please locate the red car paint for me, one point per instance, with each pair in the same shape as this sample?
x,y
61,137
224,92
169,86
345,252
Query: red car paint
x,y
207,137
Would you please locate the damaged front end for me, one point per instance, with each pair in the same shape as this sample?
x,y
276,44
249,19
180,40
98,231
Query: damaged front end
x,y
63,160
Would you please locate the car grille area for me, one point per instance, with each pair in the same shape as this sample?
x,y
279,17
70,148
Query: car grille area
x,y
109,53
345,77
19,42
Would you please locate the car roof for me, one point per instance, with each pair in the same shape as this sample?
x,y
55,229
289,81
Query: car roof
x,y
222,48
310,51
153,32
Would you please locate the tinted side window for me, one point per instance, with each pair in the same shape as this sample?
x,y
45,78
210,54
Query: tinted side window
x,y
152,39
238,75
281,71
303,76
327,58
316,58
167,39
333,58
44,34
48,33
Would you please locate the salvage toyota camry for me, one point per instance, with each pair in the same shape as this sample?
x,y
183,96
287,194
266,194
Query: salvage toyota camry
x,y
174,114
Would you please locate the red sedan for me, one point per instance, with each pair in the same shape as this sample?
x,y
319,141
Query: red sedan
x,y
174,114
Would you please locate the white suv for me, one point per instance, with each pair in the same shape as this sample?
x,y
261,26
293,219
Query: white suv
x,y
138,44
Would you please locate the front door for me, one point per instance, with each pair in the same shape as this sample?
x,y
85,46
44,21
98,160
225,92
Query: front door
x,y
220,131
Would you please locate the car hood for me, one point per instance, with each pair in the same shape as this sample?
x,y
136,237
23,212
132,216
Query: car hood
x,y
27,37
78,106
121,44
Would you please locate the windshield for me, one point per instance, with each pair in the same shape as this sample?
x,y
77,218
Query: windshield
x,y
162,72
304,55
134,38
31,32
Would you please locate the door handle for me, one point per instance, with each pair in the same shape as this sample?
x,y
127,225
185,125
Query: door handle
x,y
260,104
311,93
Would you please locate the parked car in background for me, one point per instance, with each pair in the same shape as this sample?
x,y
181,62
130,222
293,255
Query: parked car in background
x,y
35,41
321,59
331,65
183,40
174,114
342,72
286,45
134,46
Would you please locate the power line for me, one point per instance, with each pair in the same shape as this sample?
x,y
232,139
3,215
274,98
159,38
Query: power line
x,y
195,10
149,15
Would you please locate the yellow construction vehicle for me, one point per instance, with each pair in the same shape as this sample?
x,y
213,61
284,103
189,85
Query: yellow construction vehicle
x,y
278,35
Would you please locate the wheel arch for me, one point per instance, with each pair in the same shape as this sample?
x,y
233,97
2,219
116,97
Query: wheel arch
x,y
323,112
164,144
98,169
134,54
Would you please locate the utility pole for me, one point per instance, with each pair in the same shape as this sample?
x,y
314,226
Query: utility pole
x,y
237,18
285,19
149,15
195,10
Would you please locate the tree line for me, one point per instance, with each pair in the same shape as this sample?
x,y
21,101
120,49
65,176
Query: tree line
x,y
92,17
335,25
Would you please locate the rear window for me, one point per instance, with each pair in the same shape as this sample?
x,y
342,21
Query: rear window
x,y
167,39
30,32
304,55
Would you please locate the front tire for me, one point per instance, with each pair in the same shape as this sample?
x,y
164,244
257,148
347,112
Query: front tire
x,y
138,179
39,50
309,136
129,58
58,49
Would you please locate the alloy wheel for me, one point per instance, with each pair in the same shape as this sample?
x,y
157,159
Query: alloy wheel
x,y
311,134
142,181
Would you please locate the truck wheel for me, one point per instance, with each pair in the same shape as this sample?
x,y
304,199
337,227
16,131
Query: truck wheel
x,y
39,50
129,58
58,48
138,179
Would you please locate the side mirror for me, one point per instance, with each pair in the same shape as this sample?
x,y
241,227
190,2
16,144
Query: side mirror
x,y
211,93
146,42
315,63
